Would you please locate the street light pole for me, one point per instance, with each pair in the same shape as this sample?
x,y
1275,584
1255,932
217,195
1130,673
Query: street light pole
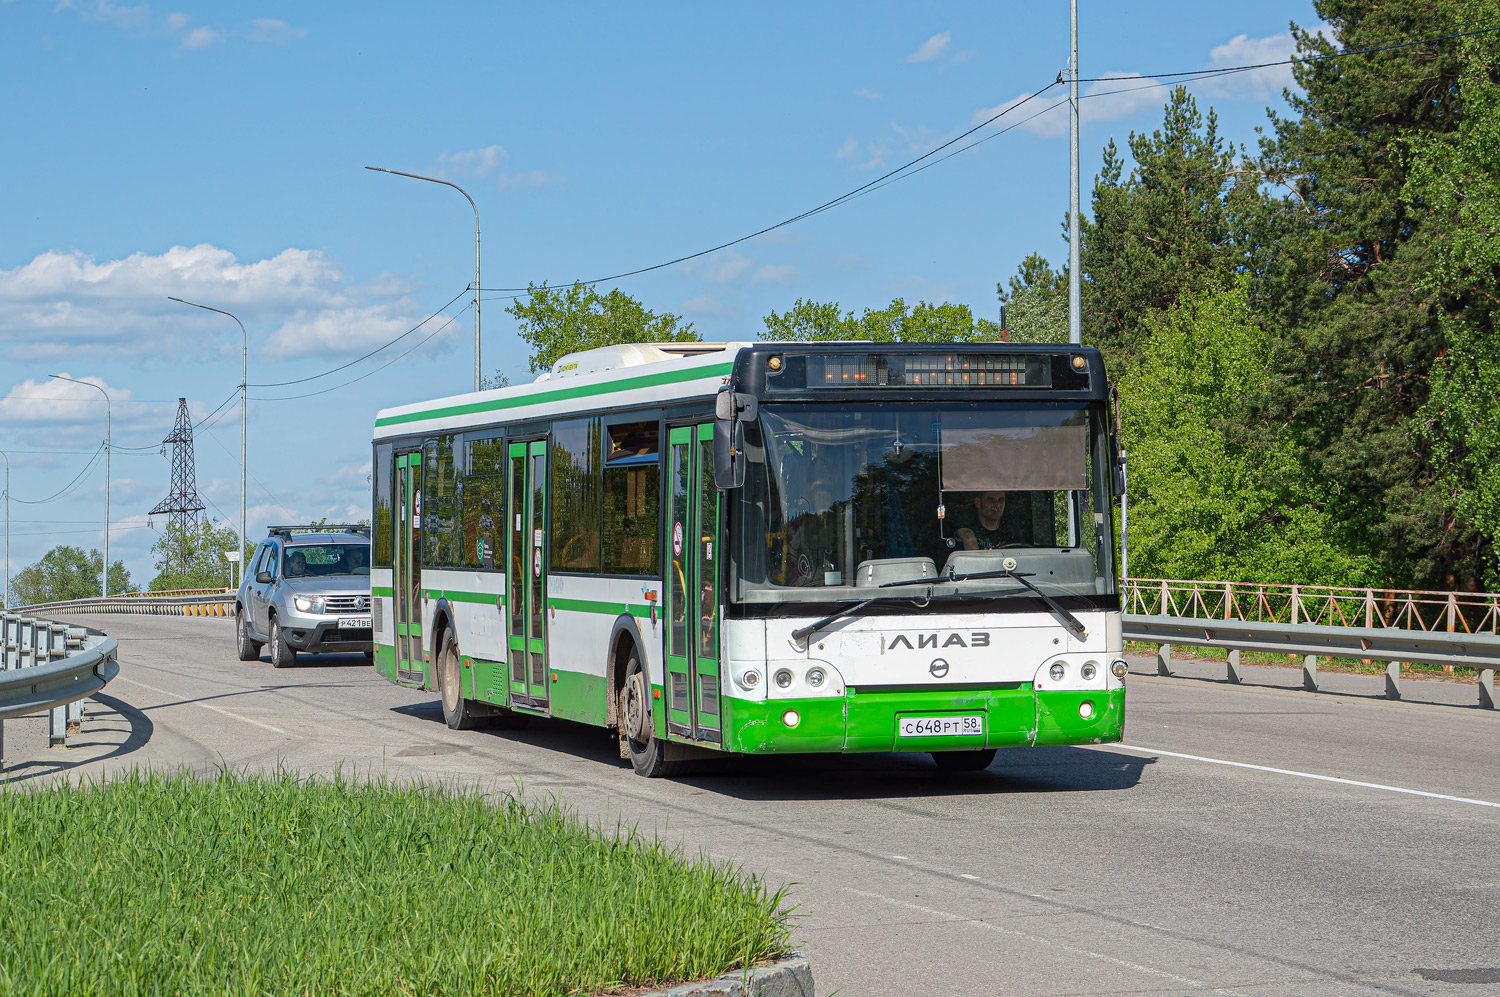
x,y
1075,238
415,176
244,383
104,582
7,527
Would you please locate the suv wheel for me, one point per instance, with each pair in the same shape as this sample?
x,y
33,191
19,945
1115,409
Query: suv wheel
x,y
283,655
249,649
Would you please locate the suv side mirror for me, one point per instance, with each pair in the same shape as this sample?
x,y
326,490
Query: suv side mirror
x,y
263,578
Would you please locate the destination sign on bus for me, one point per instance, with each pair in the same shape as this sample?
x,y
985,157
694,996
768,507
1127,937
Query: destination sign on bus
x,y
925,370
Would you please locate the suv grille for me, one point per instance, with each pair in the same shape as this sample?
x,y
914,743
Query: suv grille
x,y
346,603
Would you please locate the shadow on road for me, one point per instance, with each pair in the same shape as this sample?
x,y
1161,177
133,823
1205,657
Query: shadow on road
x,y
306,661
141,729
858,776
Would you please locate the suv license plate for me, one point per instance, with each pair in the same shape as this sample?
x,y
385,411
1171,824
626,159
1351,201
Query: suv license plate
x,y
354,623
971,724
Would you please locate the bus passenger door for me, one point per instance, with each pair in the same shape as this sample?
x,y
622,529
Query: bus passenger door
x,y
408,570
526,579
692,586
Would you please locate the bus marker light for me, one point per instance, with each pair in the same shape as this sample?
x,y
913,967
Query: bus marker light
x,y
1086,709
791,718
1119,668
1057,672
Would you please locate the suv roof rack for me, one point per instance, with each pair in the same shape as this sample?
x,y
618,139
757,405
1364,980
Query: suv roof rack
x,y
286,531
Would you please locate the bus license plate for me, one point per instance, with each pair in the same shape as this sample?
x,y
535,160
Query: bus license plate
x,y
354,623
972,724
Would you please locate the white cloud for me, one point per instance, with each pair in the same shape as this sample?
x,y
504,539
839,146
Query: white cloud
x,y
727,266
176,22
332,331
1242,50
848,149
702,305
276,32
531,178
931,48
475,162
108,11
61,303
867,93
355,473
53,401
202,38
776,273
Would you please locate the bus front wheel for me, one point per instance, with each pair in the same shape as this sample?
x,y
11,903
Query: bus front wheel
x,y
964,761
648,753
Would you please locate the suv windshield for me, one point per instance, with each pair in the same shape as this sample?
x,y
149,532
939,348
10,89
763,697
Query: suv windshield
x,y
310,560
841,500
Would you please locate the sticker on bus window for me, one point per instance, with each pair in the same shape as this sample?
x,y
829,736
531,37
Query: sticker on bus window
x,y
536,563
677,539
536,539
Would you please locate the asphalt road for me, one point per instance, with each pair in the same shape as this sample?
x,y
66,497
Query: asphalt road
x,y
1106,870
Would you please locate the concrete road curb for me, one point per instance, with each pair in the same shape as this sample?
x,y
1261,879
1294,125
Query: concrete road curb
x,y
789,977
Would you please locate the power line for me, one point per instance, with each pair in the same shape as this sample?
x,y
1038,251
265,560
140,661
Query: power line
x,y
1296,59
377,370
69,486
351,363
826,205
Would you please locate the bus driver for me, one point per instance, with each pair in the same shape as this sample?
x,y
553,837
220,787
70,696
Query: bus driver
x,y
987,533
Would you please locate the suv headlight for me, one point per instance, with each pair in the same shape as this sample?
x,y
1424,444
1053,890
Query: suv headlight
x,y
309,604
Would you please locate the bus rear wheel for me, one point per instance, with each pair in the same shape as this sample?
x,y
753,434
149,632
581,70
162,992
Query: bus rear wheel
x,y
456,712
648,753
964,761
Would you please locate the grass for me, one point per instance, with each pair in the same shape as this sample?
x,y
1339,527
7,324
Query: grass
x,y
271,884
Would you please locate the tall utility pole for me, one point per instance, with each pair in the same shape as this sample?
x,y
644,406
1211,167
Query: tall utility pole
x,y
414,176
104,581
1075,235
244,377
7,527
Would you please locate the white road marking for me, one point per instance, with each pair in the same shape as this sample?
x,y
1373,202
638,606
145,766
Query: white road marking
x,y
206,706
1301,775
967,876
1051,943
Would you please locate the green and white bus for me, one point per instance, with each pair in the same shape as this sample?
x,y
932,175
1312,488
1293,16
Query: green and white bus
x,y
763,547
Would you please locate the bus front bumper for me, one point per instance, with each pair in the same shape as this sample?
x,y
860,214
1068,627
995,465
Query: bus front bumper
x,y
870,720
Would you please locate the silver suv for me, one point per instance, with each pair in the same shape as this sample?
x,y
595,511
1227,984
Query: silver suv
x,y
307,589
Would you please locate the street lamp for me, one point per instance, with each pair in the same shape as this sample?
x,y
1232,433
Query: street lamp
x,y
414,176
7,527
104,583
244,383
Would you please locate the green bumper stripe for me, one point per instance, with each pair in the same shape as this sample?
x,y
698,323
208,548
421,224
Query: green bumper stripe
x,y
378,590
560,394
605,608
475,597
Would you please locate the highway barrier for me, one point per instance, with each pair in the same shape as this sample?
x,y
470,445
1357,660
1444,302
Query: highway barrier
x,y
214,602
46,665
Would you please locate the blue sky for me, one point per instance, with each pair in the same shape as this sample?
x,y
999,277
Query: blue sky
x,y
215,152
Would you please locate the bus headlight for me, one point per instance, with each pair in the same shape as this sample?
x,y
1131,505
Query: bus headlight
x,y
749,679
816,677
783,678
1057,671
1089,670
1119,668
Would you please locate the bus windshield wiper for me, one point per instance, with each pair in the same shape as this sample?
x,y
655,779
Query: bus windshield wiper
x,y
1072,622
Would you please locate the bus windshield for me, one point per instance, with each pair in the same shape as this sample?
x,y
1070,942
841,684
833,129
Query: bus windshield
x,y
841,500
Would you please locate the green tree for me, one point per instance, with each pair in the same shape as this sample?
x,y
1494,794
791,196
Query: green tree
x,y
66,573
1036,302
558,321
194,557
898,322
1454,183
1179,222
1359,332
1206,499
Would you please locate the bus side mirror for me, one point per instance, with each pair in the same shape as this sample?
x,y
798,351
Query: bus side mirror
x,y
731,410
1117,475
729,454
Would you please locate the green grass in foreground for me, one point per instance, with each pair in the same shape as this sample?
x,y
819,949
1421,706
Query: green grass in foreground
x,y
250,884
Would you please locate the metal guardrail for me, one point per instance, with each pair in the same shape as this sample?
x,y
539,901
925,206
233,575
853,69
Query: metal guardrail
x,y
1480,651
46,665
215,603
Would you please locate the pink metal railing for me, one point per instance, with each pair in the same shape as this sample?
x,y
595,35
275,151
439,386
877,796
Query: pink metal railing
x,y
1326,605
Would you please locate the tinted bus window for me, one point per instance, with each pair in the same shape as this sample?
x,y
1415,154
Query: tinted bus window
x,y
382,522
575,496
